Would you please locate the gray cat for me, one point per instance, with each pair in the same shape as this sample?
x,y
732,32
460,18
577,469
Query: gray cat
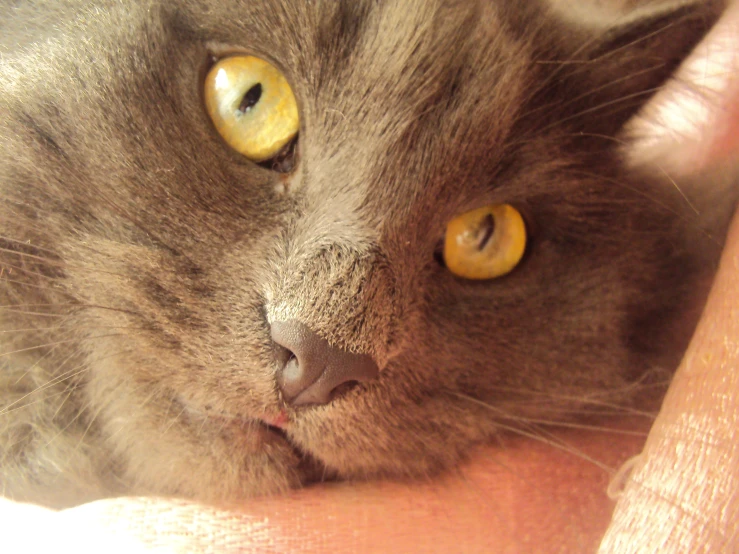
x,y
246,246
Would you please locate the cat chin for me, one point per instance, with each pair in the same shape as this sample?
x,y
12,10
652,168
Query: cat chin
x,y
216,463
162,446
335,455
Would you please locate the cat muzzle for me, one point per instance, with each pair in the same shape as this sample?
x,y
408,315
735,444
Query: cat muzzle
x,y
314,372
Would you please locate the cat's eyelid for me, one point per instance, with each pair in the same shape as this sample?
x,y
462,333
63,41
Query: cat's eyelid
x,y
220,50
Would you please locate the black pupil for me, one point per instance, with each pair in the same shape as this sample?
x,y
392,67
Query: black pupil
x,y
251,97
485,231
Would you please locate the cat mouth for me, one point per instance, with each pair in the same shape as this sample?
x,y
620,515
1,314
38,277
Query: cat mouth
x,y
274,428
279,421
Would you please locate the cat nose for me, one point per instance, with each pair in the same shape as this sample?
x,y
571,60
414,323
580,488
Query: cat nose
x,y
316,372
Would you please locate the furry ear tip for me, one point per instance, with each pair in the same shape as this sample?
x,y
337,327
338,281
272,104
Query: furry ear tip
x,y
643,42
691,124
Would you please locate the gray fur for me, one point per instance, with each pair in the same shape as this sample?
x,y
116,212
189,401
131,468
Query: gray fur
x,y
142,260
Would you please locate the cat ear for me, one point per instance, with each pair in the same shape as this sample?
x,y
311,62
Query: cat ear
x,y
617,58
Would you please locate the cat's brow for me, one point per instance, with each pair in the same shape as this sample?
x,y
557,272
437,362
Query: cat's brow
x,y
341,33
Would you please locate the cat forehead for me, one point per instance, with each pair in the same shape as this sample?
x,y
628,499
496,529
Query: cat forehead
x,y
374,78
339,29
396,58
404,103
410,49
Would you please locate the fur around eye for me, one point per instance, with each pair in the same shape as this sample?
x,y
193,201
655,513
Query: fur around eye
x,y
485,243
252,106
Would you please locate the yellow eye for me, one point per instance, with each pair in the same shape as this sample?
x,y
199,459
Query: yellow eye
x,y
485,243
252,106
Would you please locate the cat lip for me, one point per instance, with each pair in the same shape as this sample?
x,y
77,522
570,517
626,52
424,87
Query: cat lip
x,y
280,421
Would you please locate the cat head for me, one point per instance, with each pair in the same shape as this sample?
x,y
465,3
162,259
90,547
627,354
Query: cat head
x,y
197,285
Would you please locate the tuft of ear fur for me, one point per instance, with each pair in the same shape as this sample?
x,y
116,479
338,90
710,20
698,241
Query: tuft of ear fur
x,y
684,130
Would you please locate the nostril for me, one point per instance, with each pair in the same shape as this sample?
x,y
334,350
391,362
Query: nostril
x,y
298,357
291,369
295,377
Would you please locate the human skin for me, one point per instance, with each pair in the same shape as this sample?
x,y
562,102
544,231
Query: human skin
x,y
523,495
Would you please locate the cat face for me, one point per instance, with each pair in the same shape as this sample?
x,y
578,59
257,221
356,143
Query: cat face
x,y
165,266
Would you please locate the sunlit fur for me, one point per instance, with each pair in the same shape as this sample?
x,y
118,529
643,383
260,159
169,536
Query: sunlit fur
x,y
142,260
